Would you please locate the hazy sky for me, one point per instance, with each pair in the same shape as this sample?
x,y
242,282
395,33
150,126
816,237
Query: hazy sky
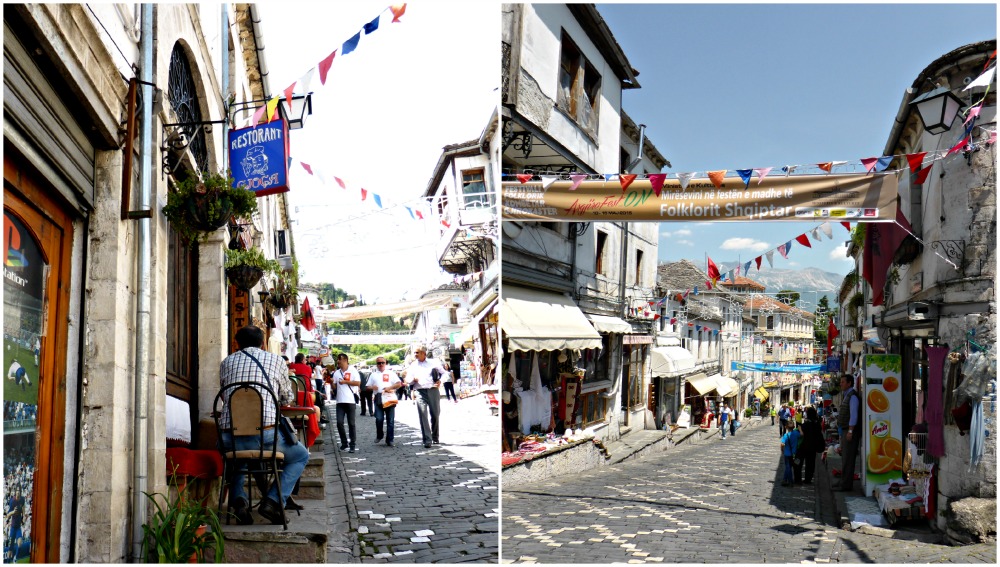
x,y
747,86
379,123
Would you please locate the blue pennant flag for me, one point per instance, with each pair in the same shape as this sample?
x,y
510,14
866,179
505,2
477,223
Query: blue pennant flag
x,y
351,44
372,25
409,210
378,200
883,162
696,290
745,175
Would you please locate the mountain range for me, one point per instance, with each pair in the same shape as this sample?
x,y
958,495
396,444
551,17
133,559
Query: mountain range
x,y
805,280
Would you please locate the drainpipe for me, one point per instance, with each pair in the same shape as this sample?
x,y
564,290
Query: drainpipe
x,y
140,450
224,82
258,41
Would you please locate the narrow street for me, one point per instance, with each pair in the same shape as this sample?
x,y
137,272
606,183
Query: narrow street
x,y
720,501
415,505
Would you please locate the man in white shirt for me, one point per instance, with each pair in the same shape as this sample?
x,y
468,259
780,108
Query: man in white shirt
x,y
345,379
384,383
424,376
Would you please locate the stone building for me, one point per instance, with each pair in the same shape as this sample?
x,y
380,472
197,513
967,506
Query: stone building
x,y
125,320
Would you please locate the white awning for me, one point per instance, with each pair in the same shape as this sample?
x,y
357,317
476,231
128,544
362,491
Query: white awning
x,y
541,320
669,359
701,383
606,324
471,329
725,386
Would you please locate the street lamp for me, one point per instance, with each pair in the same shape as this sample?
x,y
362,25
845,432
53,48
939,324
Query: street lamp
x,y
296,112
937,109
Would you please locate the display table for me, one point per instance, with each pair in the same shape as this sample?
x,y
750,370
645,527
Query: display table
x,y
908,504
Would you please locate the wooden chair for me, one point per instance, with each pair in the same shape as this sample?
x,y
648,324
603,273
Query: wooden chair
x,y
299,414
246,410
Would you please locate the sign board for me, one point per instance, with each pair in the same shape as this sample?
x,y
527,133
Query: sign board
x,y
847,197
833,364
258,157
882,450
769,367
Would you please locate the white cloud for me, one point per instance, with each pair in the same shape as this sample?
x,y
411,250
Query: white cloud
x,y
685,242
678,232
745,244
840,255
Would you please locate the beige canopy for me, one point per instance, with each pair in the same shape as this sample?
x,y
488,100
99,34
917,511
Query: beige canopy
x,y
542,320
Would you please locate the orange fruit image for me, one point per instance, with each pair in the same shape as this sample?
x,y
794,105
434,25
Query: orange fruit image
x,y
878,464
893,449
877,402
890,384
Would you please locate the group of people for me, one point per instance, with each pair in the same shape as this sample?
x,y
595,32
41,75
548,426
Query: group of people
x,y
728,420
19,472
341,383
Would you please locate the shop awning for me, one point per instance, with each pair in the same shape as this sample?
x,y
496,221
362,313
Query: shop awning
x,y
665,360
541,320
471,329
761,394
702,383
725,386
606,324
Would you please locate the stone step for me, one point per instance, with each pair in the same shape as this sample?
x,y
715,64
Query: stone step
x,y
304,542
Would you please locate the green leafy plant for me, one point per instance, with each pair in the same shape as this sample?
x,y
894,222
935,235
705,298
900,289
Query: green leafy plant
x,y
244,268
200,205
181,530
286,289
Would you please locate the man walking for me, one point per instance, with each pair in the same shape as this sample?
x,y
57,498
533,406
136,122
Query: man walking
x,y
384,383
784,415
367,396
774,413
424,376
252,364
848,419
724,419
344,378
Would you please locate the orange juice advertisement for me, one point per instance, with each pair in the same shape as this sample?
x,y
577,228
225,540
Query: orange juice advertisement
x,y
883,446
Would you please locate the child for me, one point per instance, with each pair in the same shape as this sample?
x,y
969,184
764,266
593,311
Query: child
x,y
789,443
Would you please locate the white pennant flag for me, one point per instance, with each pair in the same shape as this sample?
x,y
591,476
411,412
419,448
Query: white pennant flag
x,y
827,230
770,258
305,81
815,235
983,80
761,173
685,178
548,180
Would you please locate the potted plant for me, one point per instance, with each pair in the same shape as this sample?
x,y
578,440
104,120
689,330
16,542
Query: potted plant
x,y
244,268
181,531
286,289
199,206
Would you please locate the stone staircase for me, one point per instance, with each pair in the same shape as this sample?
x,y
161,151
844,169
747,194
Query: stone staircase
x,y
306,538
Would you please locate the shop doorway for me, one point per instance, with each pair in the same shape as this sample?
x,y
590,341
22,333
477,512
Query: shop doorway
x,y
38,234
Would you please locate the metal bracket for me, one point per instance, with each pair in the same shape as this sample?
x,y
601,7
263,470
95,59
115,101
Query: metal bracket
x,y
954,250
177,136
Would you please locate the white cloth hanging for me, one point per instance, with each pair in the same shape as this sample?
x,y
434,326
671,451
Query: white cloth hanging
x,y
274,342
543,397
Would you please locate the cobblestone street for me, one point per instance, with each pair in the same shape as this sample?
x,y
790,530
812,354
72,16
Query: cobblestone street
x,y
415,505
719,501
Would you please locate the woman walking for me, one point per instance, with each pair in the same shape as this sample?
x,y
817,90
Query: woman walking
x,y
812,441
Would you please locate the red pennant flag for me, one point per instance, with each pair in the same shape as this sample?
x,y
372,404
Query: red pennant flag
x,y
419,216
803,240
288,94
915,160
717,177
364,194
524,177
827,166
758,259
324,66
957,147
445,223
847,225
713,271
656,182
656,316
340,182
306,167
869,163
921,175
397,11
626,180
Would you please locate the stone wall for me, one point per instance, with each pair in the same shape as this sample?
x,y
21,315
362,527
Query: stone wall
x,y
567,460
955,481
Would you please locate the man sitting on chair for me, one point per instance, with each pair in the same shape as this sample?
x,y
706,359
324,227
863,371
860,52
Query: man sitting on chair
x,y
240,367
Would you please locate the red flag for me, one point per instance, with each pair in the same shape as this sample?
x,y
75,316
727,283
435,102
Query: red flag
x,y
869,163
717,177
656,316
847,225
306,167
758,262
803,240
713,271
524,177
324,66
656,182
831,333
915,160
288,94
922,175
957,147
397,11
364,194
340,182
308,322
626,180
826,166
419,216
445,223
881,242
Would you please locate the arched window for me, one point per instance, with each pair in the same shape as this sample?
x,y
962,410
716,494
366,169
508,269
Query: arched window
x,y
183,96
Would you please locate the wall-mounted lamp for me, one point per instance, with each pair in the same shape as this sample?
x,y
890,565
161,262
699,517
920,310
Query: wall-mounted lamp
x,y
294,114
937,109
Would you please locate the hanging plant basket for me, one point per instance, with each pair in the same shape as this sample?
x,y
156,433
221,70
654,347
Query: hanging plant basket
x,y
281,301
244,277
209,212
200,205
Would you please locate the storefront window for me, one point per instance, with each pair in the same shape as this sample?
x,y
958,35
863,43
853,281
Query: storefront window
x,y
634,359
598,363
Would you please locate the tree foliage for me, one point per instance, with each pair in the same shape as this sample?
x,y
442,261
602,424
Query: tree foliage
x,y
788,297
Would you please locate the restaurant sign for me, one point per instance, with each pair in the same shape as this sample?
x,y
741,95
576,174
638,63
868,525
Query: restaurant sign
x,y
258,157
848,197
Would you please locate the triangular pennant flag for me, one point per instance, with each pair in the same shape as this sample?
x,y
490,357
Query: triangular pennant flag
x,y
883,162
524,177
257,116
577,179
697,328
746,268
762,173
364,193
685,178
409,210
656,182
351,44
993,137
306,167
446,225
784,248
371,26
548,180
626,180
770,258
272,109
869,163
827,230
758,260
973,112
736,272
288,94
826,166
847,225
921,175
915,160
745,175
788,169
340,182
324,67
397,11
708,285
983,80
716,177
420,216
378,200
656,316
815,235
673,320
803,240
957,147
306,80
608,176
696,290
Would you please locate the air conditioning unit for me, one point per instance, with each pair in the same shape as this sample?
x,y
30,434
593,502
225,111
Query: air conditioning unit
x,y
921,311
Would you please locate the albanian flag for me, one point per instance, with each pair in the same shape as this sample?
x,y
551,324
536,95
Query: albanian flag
x,y
308,321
